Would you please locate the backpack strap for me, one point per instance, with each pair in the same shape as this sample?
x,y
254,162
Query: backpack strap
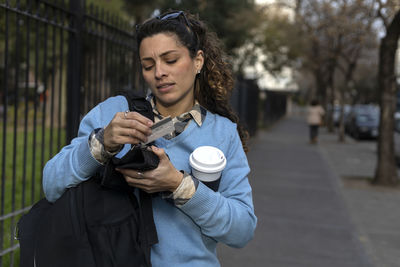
x,y
137,102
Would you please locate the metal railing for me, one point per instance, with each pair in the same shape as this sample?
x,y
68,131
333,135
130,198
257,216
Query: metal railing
x,y
245,102
57,60
274,107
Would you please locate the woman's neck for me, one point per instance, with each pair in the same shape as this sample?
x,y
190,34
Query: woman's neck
x,y
174,110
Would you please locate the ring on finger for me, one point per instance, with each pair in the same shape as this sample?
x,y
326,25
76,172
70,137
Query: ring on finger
x,y
140,175
126,113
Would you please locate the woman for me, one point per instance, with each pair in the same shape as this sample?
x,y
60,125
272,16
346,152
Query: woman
x,y
183,65
314,119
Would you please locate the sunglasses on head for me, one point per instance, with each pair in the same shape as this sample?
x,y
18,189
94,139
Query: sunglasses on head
x,y
170,16
174,15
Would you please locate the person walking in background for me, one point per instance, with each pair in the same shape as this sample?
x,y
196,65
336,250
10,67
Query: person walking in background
x,y
315,114
190,80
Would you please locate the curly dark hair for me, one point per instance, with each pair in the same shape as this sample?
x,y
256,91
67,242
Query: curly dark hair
x,y
215,83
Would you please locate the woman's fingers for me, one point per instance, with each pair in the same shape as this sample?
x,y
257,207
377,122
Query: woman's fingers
x,y
135,126
132,173
160,153
131,134
127,128
137,117
137,179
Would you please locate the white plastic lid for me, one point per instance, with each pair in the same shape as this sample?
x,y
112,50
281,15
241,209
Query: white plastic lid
x,y
207,159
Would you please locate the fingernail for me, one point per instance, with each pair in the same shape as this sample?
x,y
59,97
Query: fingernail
x,y
149,123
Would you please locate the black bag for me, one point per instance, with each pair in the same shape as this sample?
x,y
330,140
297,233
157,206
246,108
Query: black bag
x,y
98,223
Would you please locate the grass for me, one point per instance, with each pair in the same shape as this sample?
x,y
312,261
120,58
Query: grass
x,y
26,151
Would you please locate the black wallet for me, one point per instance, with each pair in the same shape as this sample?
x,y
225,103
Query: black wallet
x,y
138,158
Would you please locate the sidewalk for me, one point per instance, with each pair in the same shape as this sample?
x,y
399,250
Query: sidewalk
x,y
374,209
308,215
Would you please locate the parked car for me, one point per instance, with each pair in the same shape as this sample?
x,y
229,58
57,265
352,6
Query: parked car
x,y
363,122
336,113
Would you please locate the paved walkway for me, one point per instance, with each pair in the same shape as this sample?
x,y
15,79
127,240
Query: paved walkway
x,y
308,216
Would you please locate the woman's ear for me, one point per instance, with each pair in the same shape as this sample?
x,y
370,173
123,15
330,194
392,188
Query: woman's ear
x,y
199,60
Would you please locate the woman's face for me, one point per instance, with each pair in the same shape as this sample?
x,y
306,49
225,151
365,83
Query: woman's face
x,y
169,70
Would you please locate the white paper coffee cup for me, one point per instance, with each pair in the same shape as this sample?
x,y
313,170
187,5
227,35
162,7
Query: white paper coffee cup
x,y
207,163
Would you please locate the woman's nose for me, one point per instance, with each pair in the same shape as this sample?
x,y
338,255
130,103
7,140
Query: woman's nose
x,y
160,71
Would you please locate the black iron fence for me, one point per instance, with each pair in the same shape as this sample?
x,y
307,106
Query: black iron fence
x,y
57,60
274,106
257,108
245,102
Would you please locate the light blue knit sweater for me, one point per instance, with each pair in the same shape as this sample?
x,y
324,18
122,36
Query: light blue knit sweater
x,y
188,235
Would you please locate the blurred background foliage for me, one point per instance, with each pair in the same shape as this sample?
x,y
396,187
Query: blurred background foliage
x,y
234,21
330,46
334,43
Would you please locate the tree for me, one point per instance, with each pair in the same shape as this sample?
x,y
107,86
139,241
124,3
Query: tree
x,y
339,30
326,36
386,171
232,20
280,41
140,10
358,36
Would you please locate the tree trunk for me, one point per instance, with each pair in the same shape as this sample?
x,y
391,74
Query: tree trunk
x,y
386,172
348,76
341,133
330,95
320,93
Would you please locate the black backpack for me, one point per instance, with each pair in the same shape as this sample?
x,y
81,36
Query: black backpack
x,y
98,223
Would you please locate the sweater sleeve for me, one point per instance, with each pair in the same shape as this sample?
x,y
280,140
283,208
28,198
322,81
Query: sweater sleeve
x,y
228,215
75,163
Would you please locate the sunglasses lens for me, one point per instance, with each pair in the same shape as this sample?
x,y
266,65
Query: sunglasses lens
x,y
170,16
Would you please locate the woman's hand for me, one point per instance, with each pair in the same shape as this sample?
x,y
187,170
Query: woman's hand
x,y
164,178
126,128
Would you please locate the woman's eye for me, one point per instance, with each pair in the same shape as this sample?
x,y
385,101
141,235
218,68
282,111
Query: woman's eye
x,y
146,68
171,61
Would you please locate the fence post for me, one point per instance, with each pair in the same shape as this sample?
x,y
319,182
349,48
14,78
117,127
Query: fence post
x,y
74,68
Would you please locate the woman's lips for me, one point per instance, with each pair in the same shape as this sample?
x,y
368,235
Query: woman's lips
x,y
163,88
